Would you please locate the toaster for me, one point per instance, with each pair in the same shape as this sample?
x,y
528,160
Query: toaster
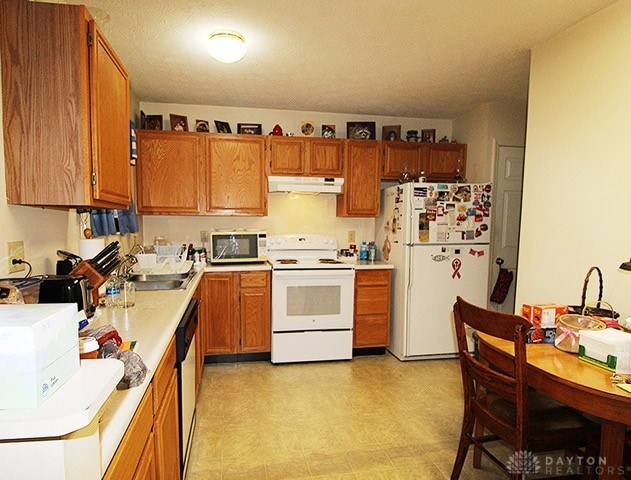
x,y
67,289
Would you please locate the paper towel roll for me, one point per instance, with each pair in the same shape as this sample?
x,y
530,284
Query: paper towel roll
x,y
89,247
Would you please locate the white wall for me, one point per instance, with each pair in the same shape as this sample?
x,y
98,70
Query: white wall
x,y
286,214
483,129
577,190
44,231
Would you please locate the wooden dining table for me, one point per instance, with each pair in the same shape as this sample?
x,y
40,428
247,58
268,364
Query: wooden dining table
x,y
577,384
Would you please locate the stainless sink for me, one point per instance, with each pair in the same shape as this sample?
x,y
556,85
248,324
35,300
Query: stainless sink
x,y
167,281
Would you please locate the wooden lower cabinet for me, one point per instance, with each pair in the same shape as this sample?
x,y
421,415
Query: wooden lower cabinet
x,y
372,308
150,448
130,452
147,466
236,312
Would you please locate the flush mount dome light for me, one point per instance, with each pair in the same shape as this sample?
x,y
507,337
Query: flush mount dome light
x,y
226,46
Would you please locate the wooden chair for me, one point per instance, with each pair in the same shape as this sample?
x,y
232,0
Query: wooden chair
x,y
501,403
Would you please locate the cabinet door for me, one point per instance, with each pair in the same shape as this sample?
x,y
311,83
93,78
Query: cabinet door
x,y
235,181
361,180
399,157
326,157
372,308
109,102
166,429
169,172
219,313
147,466
65,109
445,159
254,312
286,155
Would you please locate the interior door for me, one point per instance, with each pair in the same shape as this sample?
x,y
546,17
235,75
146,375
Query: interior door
x,y
505,238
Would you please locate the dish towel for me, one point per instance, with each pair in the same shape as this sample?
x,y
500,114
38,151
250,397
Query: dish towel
x,y
109,222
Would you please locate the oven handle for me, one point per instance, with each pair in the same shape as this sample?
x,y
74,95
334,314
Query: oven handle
x,y
325,273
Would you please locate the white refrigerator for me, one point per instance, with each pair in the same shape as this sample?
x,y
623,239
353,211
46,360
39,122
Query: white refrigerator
x,y
437,237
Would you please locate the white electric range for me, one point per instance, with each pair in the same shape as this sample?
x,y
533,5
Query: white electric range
x,y
312,299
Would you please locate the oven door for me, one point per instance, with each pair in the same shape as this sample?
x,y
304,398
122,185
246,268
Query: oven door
x,y
312,299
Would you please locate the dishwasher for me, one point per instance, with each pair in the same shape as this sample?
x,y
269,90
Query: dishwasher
x,y
185,363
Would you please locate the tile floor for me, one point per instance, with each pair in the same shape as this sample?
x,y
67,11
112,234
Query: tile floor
x,y
371,418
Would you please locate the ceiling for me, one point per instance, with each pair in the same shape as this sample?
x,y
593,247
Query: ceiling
x,y
403,58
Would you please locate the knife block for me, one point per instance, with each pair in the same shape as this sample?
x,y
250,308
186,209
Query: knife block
x,y
94,277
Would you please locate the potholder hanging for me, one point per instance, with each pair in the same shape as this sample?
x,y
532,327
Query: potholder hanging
x,y
502,284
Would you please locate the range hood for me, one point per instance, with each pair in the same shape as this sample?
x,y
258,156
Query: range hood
x,y
305,184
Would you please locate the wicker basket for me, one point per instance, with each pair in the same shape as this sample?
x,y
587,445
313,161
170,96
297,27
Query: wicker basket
x,y
568,327
593,308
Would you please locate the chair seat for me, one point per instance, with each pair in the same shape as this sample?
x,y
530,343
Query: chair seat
x,y
550,424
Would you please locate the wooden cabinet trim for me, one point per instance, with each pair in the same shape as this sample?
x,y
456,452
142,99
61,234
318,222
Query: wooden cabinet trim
x,y
167,433
163,372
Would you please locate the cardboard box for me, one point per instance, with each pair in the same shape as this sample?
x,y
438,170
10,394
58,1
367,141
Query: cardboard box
x,y
39,352
543,315
541,335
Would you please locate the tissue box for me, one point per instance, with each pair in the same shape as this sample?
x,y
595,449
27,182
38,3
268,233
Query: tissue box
x,y
543,315
39,352
608,348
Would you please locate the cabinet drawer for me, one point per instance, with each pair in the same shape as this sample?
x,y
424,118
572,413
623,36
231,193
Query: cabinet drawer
x,y
128,455
163,375
371,331
254,280
372,300
372,277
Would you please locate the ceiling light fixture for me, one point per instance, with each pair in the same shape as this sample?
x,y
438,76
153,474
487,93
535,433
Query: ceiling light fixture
x,y
226,46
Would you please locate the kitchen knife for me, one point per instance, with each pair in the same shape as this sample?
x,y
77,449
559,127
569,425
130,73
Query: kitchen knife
x,y
103,253
110,267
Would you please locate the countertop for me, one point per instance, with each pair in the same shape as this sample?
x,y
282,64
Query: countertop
x,y
367,264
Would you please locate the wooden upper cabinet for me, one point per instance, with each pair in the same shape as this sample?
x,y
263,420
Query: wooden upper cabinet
x,y
169,172
235,175
65,100
326,157
399,157
305,156
444,160
362,172
287,155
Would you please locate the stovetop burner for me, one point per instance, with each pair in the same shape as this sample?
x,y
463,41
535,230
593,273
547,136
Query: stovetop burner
x,y
328,260
287,261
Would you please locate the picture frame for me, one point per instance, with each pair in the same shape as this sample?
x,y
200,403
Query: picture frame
x,y
327,131
361,130
250,128
153,122
391,133
428,135
202,126
178,122
143,120
307,128
222,127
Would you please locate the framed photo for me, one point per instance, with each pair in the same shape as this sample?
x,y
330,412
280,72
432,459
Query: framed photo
x,y
202,126
328,131
428,135
307,128
391,132
153,122
222,127
361,130
179,122
250,128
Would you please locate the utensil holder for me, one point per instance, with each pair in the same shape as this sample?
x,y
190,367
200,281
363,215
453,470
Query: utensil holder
x,y
94,277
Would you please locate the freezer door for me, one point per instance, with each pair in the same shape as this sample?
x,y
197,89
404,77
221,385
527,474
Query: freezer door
x,y
437,275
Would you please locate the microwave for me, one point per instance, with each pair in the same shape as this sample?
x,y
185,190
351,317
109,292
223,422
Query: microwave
x,y
238,247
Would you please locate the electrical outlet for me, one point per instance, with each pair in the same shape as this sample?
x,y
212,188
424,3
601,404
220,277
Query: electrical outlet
x,y
16,252
203,236
351,236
